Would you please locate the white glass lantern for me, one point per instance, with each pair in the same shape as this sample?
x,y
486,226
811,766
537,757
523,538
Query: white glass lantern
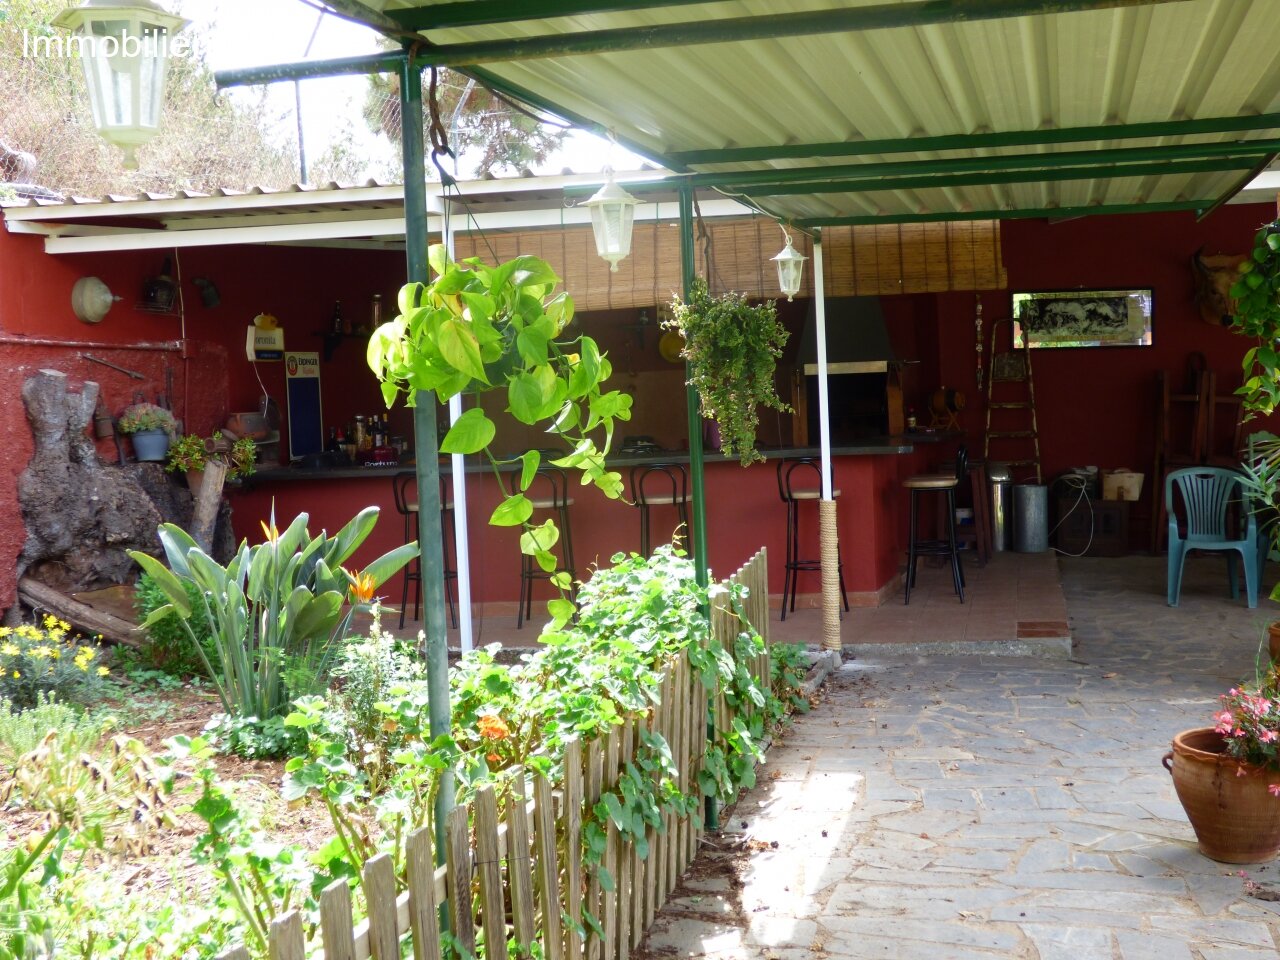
x,y
790,269
124,46
613,212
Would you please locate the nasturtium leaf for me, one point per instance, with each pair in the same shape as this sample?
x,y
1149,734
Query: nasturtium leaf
x,y
512,511
472,432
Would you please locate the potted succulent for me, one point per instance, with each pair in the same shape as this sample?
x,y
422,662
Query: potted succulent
x,y
1228,776
192,454
150,427
732,348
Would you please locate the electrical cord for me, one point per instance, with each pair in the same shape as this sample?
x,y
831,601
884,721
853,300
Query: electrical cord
x,y
1081,483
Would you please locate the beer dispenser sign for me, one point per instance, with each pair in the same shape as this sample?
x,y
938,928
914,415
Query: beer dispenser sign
x,y
302,385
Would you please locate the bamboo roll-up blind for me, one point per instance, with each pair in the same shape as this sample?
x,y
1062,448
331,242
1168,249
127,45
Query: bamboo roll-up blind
x,y
874,260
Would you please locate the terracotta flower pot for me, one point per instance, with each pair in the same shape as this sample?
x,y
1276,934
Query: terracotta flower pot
x,y
1273,641
1234,815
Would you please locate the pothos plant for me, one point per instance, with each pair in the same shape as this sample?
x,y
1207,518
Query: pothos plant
x,y
477,329
732,348
1257,315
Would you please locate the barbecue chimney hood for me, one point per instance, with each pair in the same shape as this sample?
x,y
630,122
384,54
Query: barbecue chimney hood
x,y
857,341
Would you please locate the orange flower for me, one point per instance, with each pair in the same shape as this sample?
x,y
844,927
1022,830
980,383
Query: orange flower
x,y
493,758
492,727
362,586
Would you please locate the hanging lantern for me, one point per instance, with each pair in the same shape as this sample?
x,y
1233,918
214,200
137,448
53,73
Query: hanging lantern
x,y
124,46
613,211
790,269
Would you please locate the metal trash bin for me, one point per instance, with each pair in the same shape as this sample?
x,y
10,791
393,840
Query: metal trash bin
x,y
1001,481
1030,518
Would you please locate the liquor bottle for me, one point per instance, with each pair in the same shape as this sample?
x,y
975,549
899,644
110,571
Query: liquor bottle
x,y
375,313
337,317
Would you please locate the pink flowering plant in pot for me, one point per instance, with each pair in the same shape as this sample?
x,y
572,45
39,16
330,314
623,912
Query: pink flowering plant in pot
x,y
1227,776
1249,723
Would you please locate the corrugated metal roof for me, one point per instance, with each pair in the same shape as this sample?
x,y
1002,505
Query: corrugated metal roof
x,y
1142,62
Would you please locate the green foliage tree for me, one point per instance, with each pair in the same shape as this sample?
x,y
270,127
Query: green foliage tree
x,y
505,137
476,329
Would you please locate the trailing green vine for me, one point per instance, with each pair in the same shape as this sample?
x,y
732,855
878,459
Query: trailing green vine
x,y
476,329
1257,315
732,348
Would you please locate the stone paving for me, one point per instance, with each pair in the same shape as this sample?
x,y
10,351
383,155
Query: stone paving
x,y
967,808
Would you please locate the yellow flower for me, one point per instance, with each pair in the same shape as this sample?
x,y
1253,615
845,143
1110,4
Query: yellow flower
x,y
64,626
271,533
5,631
84,667
50,621
10,650
57,653
103,671
17,675
40,653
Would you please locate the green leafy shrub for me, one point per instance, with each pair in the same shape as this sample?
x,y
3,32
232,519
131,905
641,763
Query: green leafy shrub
x,y
146,416
278,612
46,660
168,646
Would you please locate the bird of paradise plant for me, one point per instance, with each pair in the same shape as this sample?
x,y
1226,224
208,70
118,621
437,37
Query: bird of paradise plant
x,y
277,612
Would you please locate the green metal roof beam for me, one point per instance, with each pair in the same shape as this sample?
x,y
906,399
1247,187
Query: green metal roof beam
x,y
1160,169
1045,212
978,141
342,66
472,13
1253,172
881,16
516,92
1249,149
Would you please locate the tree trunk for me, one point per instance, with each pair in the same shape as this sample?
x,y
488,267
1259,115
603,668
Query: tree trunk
x,y
40,596
207,503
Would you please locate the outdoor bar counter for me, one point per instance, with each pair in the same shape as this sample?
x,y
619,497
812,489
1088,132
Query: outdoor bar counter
x,y
744,512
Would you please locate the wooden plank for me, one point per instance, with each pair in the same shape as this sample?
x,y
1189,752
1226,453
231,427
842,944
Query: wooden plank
x,y
594,778
520,865
40,596
461,914
680,752
424,916
626,854
489,869
380,891
573,795
609,921
548,870
285,940
336,922
662,727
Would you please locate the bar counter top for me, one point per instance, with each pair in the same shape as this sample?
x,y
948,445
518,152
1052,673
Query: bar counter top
x,y
889,446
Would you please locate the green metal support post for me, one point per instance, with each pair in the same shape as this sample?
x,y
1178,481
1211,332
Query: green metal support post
x,y
696,470
426,443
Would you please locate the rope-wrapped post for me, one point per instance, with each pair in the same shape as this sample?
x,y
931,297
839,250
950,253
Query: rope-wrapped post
x,y
830,544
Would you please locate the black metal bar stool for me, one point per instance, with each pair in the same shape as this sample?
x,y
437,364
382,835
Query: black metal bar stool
x,y
944,483
649,485
405,487
557,484
793,496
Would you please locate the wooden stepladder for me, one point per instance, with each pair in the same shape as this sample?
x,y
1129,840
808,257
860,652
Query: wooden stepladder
x,y
1011,408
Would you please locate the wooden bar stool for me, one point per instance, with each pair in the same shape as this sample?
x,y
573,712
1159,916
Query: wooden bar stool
x,y
404,486
944,483
650,483
793,497
557,498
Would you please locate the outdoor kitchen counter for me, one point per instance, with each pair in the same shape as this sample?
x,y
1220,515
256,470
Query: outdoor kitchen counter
x,y
743,513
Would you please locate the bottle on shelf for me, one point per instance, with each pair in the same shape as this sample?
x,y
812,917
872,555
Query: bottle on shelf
x,y
336,326
375,313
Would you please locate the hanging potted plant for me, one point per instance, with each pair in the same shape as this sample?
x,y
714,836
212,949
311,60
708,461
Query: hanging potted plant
x,y
192,454
1228,776
733,349
150,428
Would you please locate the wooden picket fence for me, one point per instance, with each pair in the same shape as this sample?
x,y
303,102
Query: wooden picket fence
x,y
517,870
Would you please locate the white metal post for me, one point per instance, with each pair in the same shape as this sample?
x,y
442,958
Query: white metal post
x,y
458,471
824,407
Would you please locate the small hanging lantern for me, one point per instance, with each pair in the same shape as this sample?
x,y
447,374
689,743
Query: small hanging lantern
x,y
613,212
790,268
124,46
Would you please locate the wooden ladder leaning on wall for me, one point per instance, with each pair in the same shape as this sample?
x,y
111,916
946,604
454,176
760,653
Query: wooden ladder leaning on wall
x,y
1009,367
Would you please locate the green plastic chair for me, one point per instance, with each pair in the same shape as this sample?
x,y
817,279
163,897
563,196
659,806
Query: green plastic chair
x,y
1208,495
